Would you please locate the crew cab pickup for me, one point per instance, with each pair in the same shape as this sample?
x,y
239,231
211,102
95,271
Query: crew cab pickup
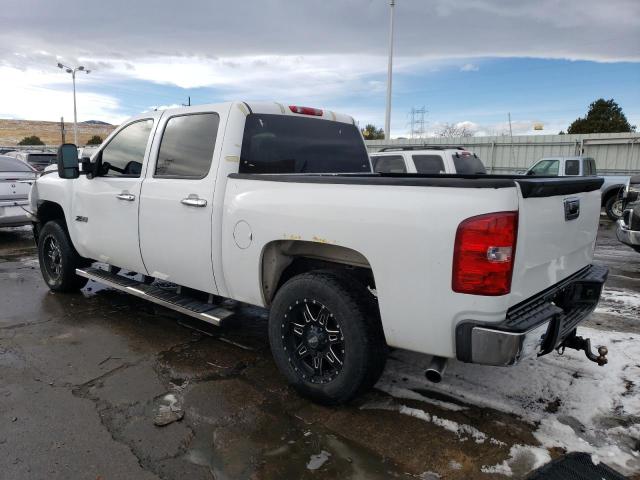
x,y
612,185
276,206
427,159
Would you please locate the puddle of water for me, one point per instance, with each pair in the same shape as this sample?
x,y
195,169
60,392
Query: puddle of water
x,y
268,447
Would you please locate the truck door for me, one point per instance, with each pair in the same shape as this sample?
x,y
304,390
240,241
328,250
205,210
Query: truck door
x,y
104,223
176,202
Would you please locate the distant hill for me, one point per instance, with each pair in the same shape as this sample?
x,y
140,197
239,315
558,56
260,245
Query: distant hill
x,y
96,122
12,131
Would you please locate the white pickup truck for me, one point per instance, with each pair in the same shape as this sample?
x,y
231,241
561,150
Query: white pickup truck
x,y
612,185
277,206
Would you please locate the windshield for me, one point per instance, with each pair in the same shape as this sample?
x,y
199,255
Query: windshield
x,y
468,163
9,164
288,144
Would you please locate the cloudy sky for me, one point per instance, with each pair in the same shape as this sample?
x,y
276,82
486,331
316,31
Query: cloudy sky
x,y
470,61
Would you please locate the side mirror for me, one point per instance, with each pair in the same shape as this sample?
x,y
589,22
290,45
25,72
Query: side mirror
x,y
521,172
68,161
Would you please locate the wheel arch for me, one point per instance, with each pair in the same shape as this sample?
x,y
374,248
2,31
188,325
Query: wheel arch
x,y
283,259
609,192
47,211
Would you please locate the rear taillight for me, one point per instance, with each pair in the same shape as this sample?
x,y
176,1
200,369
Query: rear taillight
x,y
483,254
306,110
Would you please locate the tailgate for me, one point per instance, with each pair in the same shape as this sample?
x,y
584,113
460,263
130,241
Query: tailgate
x,y
557,228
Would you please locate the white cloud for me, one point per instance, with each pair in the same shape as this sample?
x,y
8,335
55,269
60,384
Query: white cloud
x,y
469,67
34,95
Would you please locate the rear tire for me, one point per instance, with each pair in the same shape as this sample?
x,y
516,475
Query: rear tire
x,y
325,338
613,207
59,259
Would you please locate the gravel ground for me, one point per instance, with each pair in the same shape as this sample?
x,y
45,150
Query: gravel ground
x,y
85,379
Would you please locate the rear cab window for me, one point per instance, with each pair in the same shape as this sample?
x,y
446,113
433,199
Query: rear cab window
x,y
292,144
388,164
41,160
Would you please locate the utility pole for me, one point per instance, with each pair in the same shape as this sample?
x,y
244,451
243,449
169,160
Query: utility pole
x,y
62,128
387,117
73,71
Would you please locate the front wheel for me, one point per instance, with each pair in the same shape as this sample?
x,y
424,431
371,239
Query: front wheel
x,y
59,259
614,207
325,338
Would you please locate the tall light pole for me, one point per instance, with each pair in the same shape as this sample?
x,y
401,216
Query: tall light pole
x,y
387,117
73,71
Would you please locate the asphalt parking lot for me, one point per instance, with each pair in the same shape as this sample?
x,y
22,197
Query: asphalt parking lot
x,y
86,378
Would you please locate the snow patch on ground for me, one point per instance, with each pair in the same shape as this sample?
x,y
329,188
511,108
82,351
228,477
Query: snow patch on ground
x,y
522,459
461,430
620,302
399,392
316,461
575,404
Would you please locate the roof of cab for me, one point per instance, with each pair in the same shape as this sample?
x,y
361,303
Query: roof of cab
x,y
262,107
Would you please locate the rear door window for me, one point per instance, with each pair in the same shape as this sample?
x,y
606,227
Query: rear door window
x,y
294,144
186,149
388,164
433,164
572,167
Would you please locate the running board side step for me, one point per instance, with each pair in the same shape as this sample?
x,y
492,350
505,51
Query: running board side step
x,y
175,301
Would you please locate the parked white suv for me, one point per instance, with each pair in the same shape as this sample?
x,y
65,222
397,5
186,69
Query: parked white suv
x,y
276,206
430,160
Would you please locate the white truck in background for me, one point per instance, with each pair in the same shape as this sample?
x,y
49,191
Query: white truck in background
x,y
582,166
427,159
276,206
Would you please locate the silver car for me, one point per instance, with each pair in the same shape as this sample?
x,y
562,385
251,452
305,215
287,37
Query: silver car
x,y
16,178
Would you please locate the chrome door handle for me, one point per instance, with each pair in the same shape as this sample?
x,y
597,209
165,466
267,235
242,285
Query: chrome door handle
x,y
126,196
194,201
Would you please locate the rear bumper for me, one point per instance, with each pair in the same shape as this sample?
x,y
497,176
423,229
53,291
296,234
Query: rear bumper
x,y
12,214
626,235
536,326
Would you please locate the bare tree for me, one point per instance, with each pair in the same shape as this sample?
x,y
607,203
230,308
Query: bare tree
x,y
452,130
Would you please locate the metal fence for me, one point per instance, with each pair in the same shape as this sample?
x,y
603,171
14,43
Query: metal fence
x,y
615,153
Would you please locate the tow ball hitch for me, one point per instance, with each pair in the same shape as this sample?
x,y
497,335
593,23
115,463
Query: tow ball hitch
x,y
578,343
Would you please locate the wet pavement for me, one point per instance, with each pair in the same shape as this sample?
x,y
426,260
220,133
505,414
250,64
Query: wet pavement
x,y
85,380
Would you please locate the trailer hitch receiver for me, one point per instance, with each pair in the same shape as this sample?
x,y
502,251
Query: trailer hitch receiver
x,y
578,343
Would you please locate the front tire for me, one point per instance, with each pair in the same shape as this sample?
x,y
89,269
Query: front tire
x,y
59,259
325,338
613,207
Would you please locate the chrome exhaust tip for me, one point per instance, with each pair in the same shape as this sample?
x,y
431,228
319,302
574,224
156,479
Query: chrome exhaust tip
x,y
436,369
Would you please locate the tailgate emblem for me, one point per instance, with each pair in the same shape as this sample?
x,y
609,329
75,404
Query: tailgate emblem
x,y
571,208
